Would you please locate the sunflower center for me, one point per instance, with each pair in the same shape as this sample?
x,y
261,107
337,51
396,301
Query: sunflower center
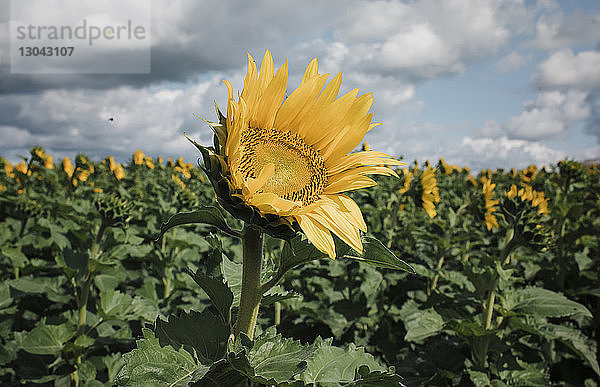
x,y
300,173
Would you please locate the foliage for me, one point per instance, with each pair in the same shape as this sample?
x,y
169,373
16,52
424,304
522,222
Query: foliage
x,y
91,261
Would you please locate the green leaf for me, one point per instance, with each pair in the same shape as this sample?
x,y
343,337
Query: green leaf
x,y
76,260
118,306
48,339
206,215
204,332
375,253
333,365
546,303
223,372
420,324
232,272
217,291
478,378
299,251
5,298
51,286
16,257
531,374
377,378
233,276
276,358
114,304
584,347
153,365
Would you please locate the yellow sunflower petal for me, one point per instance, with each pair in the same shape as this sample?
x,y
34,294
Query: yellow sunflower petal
x,y
266,72
317,234
326,116
299,103
359,159
350,206
331,91
348,138
251,91
271,203
311,71
270,101
349,183
341,225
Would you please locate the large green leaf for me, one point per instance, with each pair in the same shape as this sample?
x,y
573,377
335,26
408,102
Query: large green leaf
x,y
546,303
16,257
232,272
204,332
153,365
330,365
118,306
276,358
217,291
375,253
206,215
420,324
299,251
48,339
584,347
376,378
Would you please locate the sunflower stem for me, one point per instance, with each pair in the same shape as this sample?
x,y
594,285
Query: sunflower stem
x,y
252,247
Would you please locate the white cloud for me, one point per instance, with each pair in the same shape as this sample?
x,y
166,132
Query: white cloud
x,y
491,129
418,50
428,38
549,115
557,31
152,119
513,61
502,151
565,70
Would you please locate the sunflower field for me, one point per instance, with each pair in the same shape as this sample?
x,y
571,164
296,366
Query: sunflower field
x,y
498,282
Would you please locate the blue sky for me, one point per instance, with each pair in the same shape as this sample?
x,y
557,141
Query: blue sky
x,y
483,83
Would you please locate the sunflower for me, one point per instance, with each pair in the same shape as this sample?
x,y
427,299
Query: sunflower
x,y
138,157
408,177
490,204
8,168
512,193
289,159
431,192
119,172
529,174
112,165
68,167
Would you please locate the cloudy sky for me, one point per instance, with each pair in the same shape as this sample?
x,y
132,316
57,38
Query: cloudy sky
x,y
483,83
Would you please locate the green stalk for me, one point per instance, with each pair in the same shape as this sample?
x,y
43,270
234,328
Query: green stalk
x,y
504,258
436,278
277,313
83,299
252,247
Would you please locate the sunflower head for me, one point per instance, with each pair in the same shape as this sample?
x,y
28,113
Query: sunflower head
x,y
431,193
283,163
138,157
68,167
490,204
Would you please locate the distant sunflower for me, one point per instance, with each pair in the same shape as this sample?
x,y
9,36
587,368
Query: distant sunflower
x,y
490,204
529,174
289,158
431,192
68,167
408,177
